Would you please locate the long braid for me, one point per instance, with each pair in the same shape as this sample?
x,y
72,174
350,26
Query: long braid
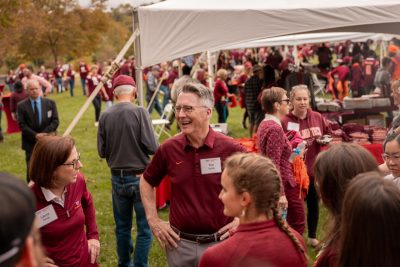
x,y
283,226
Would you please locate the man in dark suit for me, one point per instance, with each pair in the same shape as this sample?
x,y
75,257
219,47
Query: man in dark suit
x,y
37,117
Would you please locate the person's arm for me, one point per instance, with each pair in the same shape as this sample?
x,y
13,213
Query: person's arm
x,y
104,93
54,122
166,237
44,83
101,146
92,233
147,136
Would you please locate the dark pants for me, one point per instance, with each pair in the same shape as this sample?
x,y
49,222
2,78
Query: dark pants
x,y
97,107
71,86
295,212
312,210
222,111
28,155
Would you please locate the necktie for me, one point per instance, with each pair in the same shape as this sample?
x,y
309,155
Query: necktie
x,y
36,110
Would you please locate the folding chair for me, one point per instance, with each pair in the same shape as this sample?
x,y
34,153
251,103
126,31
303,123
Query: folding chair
x,y
318,86
159,124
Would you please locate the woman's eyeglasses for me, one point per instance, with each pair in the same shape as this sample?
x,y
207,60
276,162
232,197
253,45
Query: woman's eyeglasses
x,y
74,163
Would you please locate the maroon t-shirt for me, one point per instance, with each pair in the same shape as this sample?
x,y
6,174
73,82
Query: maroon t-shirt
x,y
256,244
83,71
58,72
44,74
92,82
195,207
220,90
370,67
312,127
342,71
109,90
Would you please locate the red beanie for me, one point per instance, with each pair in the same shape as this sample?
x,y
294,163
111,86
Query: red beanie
x,y
123,80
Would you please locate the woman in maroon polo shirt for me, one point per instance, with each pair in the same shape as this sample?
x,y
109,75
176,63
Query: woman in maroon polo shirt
x,y
333,169
273,143
221,95
250,191
63,203
311,126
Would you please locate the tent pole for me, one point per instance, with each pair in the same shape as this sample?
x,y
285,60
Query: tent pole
x,y
138,57
210,70
107,76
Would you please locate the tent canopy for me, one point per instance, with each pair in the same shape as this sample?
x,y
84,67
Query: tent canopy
x,y
176,28
312,38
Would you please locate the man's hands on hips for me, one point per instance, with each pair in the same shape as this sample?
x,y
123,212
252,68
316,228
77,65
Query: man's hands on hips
x,y
166,237
228,229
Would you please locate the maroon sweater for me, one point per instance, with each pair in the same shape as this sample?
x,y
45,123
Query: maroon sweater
x,y
15,99
255,244
273,143
311,128
65,239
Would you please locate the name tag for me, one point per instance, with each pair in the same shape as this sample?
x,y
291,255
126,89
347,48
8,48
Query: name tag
x,y
49,114
46,216
292,126
211,165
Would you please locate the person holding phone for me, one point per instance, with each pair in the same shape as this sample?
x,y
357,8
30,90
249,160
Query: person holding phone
x,y
312,127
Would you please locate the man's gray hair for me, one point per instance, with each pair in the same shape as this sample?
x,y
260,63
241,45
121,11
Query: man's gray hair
x,y
124,89
31,82
205,94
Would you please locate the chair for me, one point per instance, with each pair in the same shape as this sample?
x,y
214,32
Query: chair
x,y
159,124
318,86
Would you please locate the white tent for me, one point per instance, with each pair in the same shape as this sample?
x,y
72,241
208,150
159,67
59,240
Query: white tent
x,y
312,38
176,28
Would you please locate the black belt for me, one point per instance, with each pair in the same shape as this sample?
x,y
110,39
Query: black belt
x,y
201,239
125,172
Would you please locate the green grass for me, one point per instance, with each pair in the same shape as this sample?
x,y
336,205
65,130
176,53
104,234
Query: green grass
x,y
12,160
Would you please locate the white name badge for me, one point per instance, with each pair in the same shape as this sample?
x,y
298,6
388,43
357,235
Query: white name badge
x,y
46,215
292,126
49,114
211,165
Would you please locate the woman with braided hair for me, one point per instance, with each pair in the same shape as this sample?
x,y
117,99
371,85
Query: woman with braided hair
x,y
251,191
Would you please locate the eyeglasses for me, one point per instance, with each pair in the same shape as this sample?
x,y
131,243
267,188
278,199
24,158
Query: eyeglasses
x,y
75,162
186,109
387,157
286,100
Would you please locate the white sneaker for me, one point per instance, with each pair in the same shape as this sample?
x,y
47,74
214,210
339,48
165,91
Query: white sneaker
x,y
96,124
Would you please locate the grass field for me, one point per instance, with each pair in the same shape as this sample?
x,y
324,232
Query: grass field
x,y
96,171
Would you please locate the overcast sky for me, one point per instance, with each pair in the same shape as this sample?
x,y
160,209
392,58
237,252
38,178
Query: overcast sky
x,y
115,3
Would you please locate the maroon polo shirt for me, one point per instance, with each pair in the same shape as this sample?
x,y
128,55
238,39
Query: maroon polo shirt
x,y
83,70
195,207
92,82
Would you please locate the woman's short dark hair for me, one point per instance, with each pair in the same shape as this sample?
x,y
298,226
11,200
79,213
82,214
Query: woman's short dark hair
x,y
270,97
49,153
18,86
370,226
333,170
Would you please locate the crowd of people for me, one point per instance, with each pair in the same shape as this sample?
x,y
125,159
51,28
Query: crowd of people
x,y
228,207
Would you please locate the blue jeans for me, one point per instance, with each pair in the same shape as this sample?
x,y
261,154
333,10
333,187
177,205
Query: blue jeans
x,y
165,90
59,85
71,86
125,198
83,83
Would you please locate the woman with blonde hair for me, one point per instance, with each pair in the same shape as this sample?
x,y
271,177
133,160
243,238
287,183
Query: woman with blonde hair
x,y
273,143
251,187
311,126
221,95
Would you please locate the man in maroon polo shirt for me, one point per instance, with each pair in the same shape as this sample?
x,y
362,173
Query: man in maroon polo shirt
x,y
83,73
193,160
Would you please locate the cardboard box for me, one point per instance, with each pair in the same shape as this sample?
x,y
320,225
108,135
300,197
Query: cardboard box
x,y
376,120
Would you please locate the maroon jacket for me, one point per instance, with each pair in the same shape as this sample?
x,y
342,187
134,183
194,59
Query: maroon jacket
x,y
312,127
15,99
220,90
65,239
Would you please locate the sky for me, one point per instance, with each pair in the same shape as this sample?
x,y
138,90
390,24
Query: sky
x,y
115,3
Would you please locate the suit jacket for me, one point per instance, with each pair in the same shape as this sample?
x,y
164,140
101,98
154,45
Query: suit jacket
x,y
26,121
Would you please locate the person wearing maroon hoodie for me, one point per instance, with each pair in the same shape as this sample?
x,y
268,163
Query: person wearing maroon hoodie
x,y
273,143
64,206
83,73
311,126
357,77
250,191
